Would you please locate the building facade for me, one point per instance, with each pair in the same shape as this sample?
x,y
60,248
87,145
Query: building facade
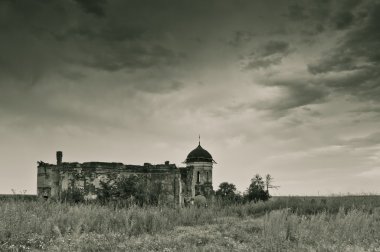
x,y
179,183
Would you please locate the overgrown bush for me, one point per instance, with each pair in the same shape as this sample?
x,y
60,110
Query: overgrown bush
x,y
72,195
130,190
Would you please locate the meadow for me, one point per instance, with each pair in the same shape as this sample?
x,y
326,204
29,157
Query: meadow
x,y
340,223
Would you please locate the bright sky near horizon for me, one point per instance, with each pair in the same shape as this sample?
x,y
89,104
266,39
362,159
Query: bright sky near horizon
x,y
289,88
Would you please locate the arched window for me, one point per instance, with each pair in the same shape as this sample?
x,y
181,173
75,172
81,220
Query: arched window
x,y
206,176
198,177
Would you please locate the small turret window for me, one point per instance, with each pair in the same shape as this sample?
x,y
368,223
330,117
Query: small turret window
x,y
198,177
206,176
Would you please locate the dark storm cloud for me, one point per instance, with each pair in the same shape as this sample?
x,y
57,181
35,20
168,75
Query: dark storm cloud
x,y
27,51
273,47
299,95
320,9
343,20
296,12
130,37
110,33
344,15
349,4
73,75
52,53
361,82
303,10
357,56
61,37
241,37
321,15
335,63
296,93
271,53
96,7
257,63
350,67
127,56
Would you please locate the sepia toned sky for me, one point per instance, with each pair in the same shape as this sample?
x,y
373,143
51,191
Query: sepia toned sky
x,y
290,88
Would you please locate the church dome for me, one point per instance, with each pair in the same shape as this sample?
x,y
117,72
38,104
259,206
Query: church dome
x,y
199,155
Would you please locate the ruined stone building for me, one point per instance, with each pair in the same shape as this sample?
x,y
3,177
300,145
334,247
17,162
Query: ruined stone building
x,y
179,183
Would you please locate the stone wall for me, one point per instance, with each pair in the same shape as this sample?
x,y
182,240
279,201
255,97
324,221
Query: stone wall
x,y
52,180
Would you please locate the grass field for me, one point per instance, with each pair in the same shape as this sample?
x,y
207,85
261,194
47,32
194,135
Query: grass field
x,y
349,223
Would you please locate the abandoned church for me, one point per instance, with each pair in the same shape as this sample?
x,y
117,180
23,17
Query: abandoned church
x,y
179,183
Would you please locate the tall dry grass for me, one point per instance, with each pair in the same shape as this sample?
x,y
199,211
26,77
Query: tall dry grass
x,y
285,222
344,231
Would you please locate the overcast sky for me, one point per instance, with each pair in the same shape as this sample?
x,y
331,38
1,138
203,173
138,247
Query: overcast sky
x,y
289,88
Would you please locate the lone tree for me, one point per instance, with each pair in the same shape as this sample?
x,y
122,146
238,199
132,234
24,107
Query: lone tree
x,y
256,190
226,192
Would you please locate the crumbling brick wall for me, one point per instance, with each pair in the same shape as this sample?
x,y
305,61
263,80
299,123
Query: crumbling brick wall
x,y
52,180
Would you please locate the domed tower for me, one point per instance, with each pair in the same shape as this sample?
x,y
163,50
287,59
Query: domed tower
x,y
199,162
